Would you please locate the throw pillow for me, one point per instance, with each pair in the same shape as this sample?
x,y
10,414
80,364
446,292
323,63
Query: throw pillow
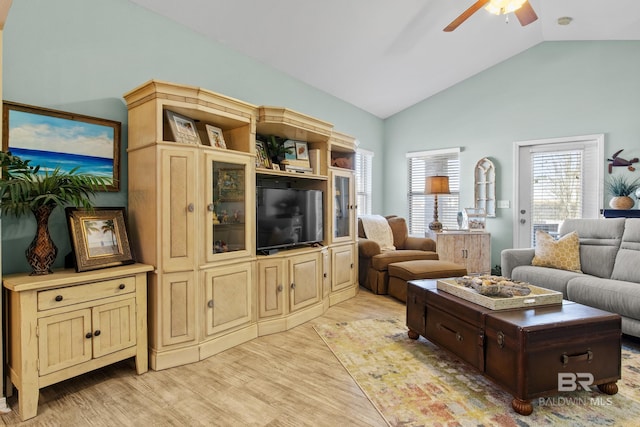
x,y
563,254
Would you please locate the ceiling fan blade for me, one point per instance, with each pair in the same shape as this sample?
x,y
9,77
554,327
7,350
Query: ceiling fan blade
x,y
465,15
526,14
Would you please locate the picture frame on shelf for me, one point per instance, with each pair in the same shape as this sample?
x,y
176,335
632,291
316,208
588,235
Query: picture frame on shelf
x,y
476,219
262,158
183,129
52,138
216,138
290,150
99,237
302,151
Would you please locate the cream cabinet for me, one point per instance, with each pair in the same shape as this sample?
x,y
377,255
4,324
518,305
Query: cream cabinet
x,y
290,289
471,249
192,215
68,323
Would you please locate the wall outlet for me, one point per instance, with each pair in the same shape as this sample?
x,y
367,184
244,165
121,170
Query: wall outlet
x,y
503,204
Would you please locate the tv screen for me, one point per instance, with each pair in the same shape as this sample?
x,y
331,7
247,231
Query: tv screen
x,y
287,217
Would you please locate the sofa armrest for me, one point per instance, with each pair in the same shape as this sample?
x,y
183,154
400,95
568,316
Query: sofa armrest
x,y
512,258
420,244
368,248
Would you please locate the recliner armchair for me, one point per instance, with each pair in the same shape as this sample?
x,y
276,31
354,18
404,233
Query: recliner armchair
x,y
373,262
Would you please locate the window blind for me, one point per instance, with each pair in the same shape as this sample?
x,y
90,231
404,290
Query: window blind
x,y
364,166
429,163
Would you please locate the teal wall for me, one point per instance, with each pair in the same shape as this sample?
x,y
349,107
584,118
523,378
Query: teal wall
x,y
554,89
83,55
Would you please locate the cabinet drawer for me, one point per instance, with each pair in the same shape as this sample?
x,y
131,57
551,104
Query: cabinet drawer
x,y
62,297
461,338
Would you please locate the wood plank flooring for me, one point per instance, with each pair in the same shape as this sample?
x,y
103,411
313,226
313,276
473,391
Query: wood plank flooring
x,y
285,379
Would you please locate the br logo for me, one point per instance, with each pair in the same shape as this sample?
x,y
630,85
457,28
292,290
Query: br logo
x,y
568,381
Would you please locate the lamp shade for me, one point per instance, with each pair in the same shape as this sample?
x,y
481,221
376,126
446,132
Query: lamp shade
x,y
436,185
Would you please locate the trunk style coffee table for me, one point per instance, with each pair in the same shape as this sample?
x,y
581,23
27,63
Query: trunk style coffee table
x,y
523,350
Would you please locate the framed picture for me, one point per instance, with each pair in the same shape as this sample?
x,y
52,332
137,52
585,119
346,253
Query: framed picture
x,y
230,185
52,138
290,147
262,158
183,129
216,139
99,238
302,151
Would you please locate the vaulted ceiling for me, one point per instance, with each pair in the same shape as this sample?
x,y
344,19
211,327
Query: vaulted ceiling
x,y
386,55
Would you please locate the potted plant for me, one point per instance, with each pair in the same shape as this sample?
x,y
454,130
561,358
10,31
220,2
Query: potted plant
x,y
277,150
24,189
621,189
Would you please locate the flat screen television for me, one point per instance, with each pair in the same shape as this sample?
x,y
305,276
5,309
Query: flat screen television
x,y
288,217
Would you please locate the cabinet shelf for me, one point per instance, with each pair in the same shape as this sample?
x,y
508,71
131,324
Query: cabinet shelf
x,y
275,173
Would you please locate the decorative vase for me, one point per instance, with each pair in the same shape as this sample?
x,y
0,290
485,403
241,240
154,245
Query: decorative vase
x,y
42,252
621,202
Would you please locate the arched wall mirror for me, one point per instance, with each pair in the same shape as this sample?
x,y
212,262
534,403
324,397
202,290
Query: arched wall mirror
x,y
485,186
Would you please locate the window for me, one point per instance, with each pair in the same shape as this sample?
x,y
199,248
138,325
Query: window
x,y
364,161
558,178
428,163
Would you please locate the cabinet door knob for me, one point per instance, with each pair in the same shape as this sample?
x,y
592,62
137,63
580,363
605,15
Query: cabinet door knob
x,y
190,207
293,285
58,298
89,335
210,303
280,288
97,333
210,207
122,286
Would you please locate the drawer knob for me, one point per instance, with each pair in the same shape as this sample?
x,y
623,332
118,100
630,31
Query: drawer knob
x,y
89,335
97,333
58,298
122,286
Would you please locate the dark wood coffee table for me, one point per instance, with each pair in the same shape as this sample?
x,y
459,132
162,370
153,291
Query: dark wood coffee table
x,y
522,350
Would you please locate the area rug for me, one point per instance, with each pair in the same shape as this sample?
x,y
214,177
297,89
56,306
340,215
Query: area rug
x,y
415,383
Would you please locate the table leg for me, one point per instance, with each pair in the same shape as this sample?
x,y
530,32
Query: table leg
x,y
608,388
522,407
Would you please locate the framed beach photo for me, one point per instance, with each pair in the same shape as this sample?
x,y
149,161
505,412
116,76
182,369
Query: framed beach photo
x,y
216,139
99,238
57,139
183,129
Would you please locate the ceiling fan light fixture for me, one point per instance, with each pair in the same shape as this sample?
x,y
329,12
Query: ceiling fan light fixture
x,y
501,7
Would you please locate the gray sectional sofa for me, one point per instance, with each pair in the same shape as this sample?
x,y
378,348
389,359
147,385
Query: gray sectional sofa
x,y
610,263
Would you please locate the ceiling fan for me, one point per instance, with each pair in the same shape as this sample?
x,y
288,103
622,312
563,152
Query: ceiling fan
x,y
523,10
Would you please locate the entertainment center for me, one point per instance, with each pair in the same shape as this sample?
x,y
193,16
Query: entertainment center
x,y
238,250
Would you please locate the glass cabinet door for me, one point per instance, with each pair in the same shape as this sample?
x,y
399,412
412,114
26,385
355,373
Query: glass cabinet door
x,y
342,205
228,203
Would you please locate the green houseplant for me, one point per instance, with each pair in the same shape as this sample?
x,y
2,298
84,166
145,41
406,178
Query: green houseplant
x,y
621,189
24,188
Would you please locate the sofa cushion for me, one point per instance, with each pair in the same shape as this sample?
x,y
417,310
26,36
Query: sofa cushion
x,y
626,264
549,278
615,296
599,243
563,253
381,261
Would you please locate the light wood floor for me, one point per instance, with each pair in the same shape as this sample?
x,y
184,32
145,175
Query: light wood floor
x,y
285,379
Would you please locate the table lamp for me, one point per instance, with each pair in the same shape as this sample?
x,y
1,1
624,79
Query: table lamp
x,y
436,185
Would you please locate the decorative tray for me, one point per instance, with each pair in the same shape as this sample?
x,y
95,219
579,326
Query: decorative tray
x,y
492,299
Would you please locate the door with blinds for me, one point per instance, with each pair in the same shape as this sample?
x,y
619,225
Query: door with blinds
x,y
557,179
445,162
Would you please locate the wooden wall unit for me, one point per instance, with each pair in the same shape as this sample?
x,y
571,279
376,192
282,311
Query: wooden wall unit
x,y
210,290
